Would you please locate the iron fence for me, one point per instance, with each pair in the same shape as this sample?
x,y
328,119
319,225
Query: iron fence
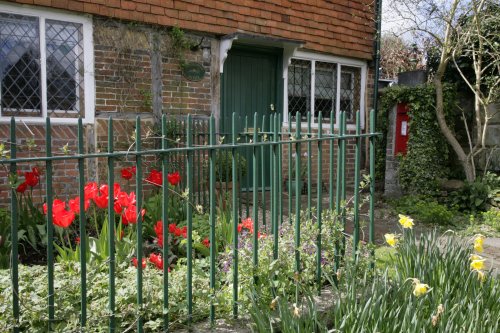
x,y
195,147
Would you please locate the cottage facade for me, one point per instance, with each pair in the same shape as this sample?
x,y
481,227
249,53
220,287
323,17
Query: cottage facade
x,y
94,59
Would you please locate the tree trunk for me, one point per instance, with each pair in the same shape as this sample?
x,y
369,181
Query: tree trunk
x,y
457,148
465,159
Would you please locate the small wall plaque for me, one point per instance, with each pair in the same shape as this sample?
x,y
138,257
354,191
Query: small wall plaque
x,y
193,71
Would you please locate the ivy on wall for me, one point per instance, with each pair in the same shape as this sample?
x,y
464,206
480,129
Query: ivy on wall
x,y
427,158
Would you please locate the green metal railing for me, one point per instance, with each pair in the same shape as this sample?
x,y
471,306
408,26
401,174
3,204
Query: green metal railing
x,y
196,155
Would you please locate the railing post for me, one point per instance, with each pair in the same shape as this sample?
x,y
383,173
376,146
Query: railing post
x,y
164,218
319,203
14,264
297,204
189,213
111,227
339,179
138,189
255,205
83,233
50,226
372,184
309,166
356,185
275,171
213,244
235,218
263,174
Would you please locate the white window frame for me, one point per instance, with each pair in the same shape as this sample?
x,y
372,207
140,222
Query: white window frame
x,y
339,61
88,62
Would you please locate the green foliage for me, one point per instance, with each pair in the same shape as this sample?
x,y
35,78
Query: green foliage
x,y
34,308
492,218
4,239
224,165
456,300
31,223
425,210
426,160
282,271
385,304
478,195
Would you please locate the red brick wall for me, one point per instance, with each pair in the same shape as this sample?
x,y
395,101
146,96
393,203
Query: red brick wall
x,y
123,71
337,27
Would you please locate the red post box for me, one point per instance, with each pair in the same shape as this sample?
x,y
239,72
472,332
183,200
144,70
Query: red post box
x,y
402,129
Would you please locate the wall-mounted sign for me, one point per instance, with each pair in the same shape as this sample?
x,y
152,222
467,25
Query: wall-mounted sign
x,y
193,71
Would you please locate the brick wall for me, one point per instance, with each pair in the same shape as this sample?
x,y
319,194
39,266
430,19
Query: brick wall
x,y
124,71
337,27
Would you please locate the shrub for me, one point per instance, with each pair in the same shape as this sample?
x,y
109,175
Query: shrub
x,y
425,210
492,218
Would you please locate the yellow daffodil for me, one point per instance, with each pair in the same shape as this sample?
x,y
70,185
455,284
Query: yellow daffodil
x,y
419,288
391,239
477,264
478,243
481,276
272,306
406,221
475,257
296,311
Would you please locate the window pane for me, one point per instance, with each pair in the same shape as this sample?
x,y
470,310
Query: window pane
x,y
19,65
325,85
64,69
299,87
350,90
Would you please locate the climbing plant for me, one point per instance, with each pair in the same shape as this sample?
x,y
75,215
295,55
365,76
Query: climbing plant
x,y
427,158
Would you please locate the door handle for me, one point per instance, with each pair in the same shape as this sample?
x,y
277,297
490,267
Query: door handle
x,y
272,107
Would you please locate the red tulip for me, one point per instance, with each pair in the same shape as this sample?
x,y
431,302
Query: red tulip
x,y
57,206
101,201
117,207
31,178
60,216
157,260
90,191
128,173
36,171
171,228
22,187
159,232
174,178
125,199
64,218
104,190
74,205
155,177
206,242
130,214
134,262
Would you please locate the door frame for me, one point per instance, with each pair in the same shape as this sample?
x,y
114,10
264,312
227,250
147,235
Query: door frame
x,y
256,49
276,51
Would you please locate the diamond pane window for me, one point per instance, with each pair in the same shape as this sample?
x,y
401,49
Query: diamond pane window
x,y
325,89
350,92
44,68
299,87
20,65
64,68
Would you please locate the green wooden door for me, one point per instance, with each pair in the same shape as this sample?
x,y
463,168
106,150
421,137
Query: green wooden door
x,y
250,84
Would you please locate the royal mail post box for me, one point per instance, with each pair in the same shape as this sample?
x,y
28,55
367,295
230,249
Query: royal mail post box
x,y
402,129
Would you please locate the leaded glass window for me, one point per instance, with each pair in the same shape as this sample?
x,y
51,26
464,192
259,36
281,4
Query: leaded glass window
x,y
41,67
